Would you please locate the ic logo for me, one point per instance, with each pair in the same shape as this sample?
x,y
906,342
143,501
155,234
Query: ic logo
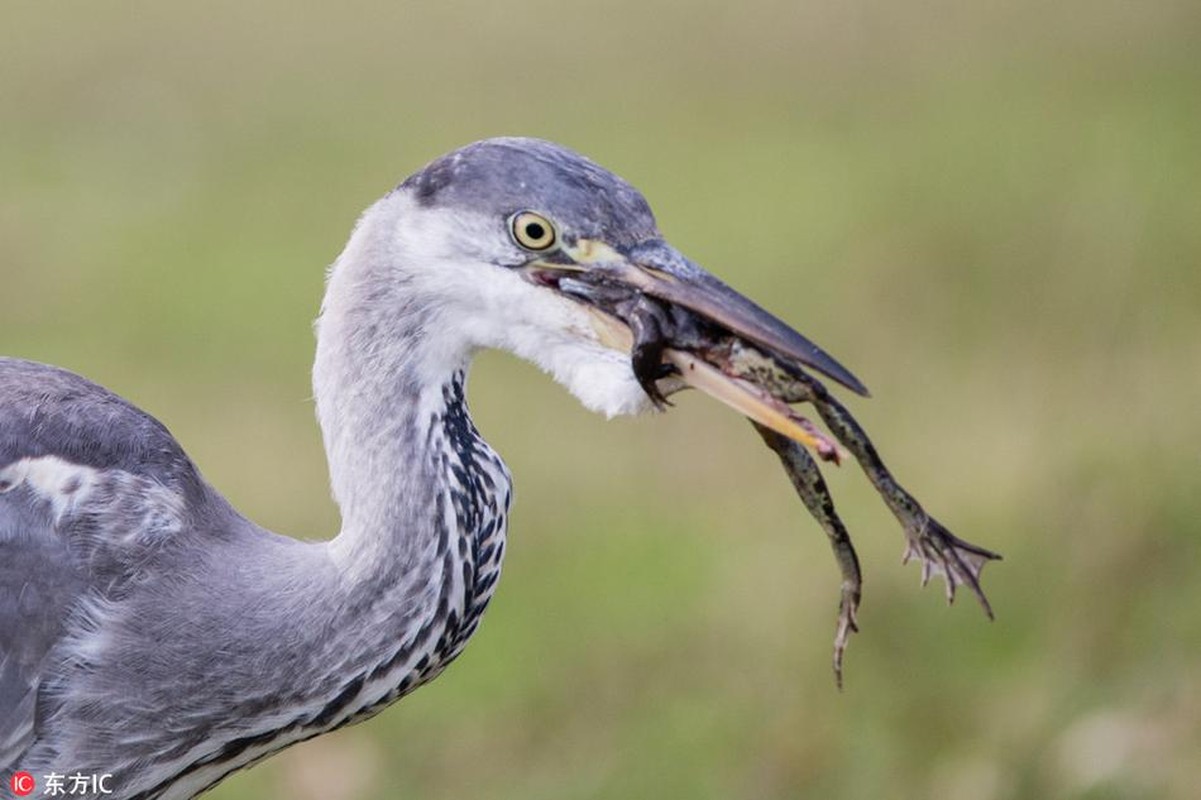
x,y
22,783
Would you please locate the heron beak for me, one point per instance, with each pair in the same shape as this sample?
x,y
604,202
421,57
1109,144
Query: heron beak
x,y
661,271
657,270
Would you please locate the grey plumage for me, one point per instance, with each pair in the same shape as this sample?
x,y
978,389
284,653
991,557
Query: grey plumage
x,y
147,617
149,631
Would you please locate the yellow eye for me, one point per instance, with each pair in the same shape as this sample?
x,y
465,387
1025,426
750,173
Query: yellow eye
x,y
533,231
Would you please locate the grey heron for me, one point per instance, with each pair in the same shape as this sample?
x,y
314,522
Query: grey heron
x,y
150,632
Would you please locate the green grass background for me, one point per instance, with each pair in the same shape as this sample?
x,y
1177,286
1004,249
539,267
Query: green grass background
x,y
991,212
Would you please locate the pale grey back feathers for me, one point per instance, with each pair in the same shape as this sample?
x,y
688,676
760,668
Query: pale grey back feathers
x,y
48,412
128,507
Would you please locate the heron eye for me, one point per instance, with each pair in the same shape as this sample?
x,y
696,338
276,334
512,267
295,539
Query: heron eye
x,y
533,231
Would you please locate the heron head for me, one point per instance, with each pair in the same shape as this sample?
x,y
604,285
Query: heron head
x,y
527,246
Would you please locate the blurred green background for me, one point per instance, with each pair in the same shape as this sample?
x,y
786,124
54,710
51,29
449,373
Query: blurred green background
x,y
991,212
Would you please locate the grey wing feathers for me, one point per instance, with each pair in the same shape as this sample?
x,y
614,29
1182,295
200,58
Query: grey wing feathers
x,y
46,411
38,585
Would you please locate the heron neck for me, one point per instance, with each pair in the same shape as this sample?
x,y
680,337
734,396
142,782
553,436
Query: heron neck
x,y
383,363
423,498
377,420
